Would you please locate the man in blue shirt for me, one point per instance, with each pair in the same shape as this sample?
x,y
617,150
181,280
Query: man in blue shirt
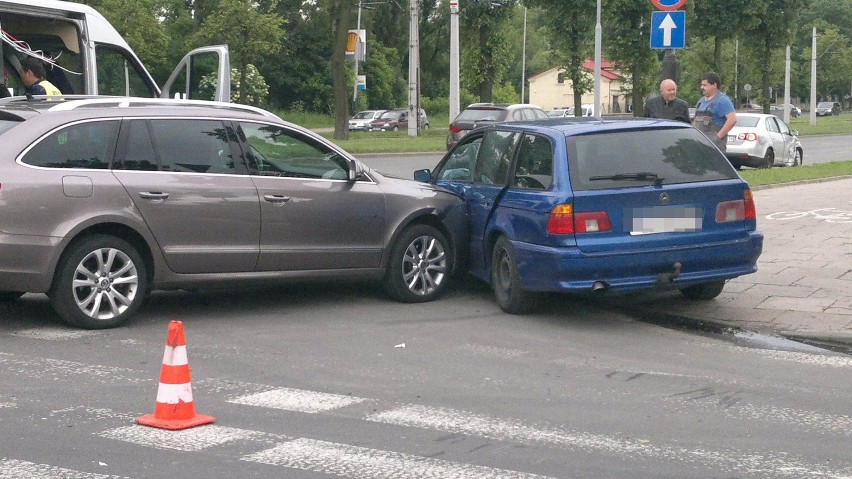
x,y
714,113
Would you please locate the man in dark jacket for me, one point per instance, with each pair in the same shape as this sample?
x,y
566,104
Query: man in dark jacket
x,y
667,105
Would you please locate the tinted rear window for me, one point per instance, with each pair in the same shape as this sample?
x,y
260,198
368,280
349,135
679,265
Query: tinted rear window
x,y
681,155
6,124
481,114
747,121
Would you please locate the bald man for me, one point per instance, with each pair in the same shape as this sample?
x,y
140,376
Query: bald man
x,y
667,105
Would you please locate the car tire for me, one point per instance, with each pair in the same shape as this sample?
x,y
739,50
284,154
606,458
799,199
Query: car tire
x,y
396,128
420,265
426,126
704,291
768,159
9,296
100,283
506,281
797,158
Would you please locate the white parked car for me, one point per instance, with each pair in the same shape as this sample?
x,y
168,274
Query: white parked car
x,y
361,120
763,141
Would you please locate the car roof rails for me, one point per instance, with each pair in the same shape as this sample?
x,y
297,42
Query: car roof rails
x,y
73,102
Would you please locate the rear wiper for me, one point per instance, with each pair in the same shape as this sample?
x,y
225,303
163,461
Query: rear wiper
x,y
641,176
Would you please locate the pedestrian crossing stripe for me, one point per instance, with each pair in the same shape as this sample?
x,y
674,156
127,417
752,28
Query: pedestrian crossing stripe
x,y
15,469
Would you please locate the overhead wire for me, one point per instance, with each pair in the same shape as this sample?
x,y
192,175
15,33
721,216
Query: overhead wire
x,y
23,47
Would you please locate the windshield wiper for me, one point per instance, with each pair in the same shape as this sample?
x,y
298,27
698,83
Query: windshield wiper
x,y
641,176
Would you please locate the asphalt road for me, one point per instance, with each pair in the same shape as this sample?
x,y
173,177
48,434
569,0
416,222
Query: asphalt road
x,y
818,149
319,381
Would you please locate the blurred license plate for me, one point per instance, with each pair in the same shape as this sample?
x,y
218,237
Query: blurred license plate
x,y
644,221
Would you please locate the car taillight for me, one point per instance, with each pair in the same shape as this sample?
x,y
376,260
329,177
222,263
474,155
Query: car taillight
x,y
747,136
736,210
563,220
455,129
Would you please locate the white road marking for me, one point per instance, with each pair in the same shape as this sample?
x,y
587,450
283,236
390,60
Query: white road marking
x,y
53,334
361,462
193,439
728,461
15,469
38,367
297,400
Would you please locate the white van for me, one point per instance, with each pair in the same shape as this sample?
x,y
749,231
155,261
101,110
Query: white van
x,y
91,58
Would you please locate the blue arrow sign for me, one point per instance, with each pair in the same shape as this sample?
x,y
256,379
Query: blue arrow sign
x,y
668,29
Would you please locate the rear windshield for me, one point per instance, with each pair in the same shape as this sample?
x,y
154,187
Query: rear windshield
x,y
480,115
747,121
644,157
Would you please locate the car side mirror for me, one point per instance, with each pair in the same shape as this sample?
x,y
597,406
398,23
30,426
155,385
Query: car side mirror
x,y
355,170
423,176
794,132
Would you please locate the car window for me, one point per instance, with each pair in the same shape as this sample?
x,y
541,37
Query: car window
x,y
747,121
184,146
140,149
771,125
495,155
534,168
277,151
517,115
83,145
459,165
783,127
118,74
642,157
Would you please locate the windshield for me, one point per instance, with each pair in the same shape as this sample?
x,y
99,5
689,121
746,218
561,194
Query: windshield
x,y
642,157
362,115
825,104
391,115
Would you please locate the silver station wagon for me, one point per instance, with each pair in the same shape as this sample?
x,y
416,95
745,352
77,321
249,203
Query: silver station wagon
x,y
103,200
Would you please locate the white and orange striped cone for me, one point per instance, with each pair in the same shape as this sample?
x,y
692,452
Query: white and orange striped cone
x,y
175,409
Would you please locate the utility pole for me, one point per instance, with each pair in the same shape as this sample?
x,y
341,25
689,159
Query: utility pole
x,y
357,54
454,59
524,60
598,34
414,69
787,86
812,113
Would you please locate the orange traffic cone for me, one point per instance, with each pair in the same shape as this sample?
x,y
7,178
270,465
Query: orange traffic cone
x,y
174,409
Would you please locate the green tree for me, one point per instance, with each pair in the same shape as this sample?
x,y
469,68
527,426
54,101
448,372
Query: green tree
x,y
248,32
483,45
722,20
628,30
571,27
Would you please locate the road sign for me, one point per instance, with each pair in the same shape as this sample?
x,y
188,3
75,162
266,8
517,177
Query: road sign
x,y
668,5
668,29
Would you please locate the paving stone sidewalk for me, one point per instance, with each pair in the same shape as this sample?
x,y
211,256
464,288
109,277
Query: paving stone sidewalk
x,y
803,286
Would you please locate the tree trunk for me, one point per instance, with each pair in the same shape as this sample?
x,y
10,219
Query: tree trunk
x,y
341,15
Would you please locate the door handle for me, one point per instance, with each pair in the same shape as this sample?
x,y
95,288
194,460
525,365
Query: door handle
x,y
277,199
154,195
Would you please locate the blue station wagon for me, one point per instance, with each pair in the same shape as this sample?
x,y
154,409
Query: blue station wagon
x,y
595,205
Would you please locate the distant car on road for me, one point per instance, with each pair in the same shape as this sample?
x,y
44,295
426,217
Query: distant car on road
x,y
763,141
395,120
827,108
362,120
590,206
778,110
479,114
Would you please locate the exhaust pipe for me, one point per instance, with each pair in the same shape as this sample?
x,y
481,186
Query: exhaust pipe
x,y
599,287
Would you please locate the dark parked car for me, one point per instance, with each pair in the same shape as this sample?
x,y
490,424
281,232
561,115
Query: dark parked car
x,y
827,108
620,205
479,114
104,200
395,120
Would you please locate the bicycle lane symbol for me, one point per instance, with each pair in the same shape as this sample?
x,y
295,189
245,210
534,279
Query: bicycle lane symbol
x,y
829,215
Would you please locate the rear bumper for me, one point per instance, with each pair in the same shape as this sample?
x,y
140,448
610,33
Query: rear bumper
x,y
27,262
568,269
